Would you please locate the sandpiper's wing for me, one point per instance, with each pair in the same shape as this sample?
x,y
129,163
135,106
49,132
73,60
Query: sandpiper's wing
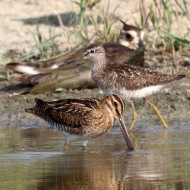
x,y
133,78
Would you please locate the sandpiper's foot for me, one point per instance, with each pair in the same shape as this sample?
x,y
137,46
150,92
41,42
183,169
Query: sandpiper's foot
x,y
66,146
134,116
158,113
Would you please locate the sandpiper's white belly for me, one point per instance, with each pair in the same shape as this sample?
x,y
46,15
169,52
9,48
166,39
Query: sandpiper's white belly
x,y
140,93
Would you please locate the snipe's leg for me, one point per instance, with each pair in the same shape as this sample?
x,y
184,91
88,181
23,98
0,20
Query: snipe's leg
x,y
84,144
134,116
158,113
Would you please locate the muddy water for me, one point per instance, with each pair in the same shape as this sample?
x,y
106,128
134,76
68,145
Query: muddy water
x,y
32,157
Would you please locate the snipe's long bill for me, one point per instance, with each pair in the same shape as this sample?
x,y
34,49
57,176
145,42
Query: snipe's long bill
x,y
83,118
126,80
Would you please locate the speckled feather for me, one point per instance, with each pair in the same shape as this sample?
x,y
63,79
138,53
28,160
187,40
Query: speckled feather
x,y
134,78
75,116
83,118
48,75
126,80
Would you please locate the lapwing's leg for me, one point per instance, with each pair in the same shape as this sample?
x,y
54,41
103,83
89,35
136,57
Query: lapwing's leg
x,y
134,115
158,113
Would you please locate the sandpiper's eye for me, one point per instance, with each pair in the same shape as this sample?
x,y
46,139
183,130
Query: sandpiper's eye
x,y
92,51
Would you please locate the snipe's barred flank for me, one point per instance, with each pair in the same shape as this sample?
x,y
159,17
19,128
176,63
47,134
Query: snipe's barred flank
x,y
83,118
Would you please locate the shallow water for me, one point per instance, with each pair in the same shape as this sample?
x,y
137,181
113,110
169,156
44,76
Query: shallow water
x,y
34,158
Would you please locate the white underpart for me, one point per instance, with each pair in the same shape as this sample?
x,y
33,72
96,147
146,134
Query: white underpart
x,y
27,69
140,93
54,66
124,42
133,44
142,34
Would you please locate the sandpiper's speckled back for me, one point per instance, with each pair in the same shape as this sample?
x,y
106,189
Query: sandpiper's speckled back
x,y
126,80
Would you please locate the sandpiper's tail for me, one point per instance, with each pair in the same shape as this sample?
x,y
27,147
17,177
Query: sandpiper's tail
x,y
178,77
172,78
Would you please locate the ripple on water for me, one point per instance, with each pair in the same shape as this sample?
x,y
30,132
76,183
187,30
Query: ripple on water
x,y
34,157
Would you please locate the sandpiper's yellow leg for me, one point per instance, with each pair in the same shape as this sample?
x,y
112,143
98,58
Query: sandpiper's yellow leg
x,y
158,112
135,141
134,116
66,146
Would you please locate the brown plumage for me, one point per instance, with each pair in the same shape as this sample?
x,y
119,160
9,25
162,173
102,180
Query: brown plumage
x,y
82,117
48,75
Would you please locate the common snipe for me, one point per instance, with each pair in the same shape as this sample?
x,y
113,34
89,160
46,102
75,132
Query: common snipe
x,y
82,118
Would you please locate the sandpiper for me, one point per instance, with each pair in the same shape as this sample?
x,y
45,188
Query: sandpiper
x,y
126,80
82,118
48,75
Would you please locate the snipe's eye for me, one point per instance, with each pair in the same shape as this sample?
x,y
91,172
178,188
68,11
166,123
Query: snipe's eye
x,y
128,37
92,51
115,104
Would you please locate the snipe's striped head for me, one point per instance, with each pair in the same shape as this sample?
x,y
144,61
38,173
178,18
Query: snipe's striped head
x,y
115,105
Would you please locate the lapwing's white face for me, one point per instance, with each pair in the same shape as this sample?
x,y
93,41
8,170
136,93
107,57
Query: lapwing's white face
x,y
130,38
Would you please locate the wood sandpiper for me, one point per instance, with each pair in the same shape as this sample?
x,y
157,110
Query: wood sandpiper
x,y
126,80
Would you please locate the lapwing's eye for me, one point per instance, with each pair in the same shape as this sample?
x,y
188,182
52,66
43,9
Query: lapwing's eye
x,y
128,36
92,51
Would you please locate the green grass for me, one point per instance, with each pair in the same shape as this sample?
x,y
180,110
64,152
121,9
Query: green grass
x,y
94,23
161,17
98,19
88,16
44,48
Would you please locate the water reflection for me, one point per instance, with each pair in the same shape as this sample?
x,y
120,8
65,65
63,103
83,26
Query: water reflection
x,y
34,159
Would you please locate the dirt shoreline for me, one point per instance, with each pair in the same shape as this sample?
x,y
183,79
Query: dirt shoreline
x,y
173,103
